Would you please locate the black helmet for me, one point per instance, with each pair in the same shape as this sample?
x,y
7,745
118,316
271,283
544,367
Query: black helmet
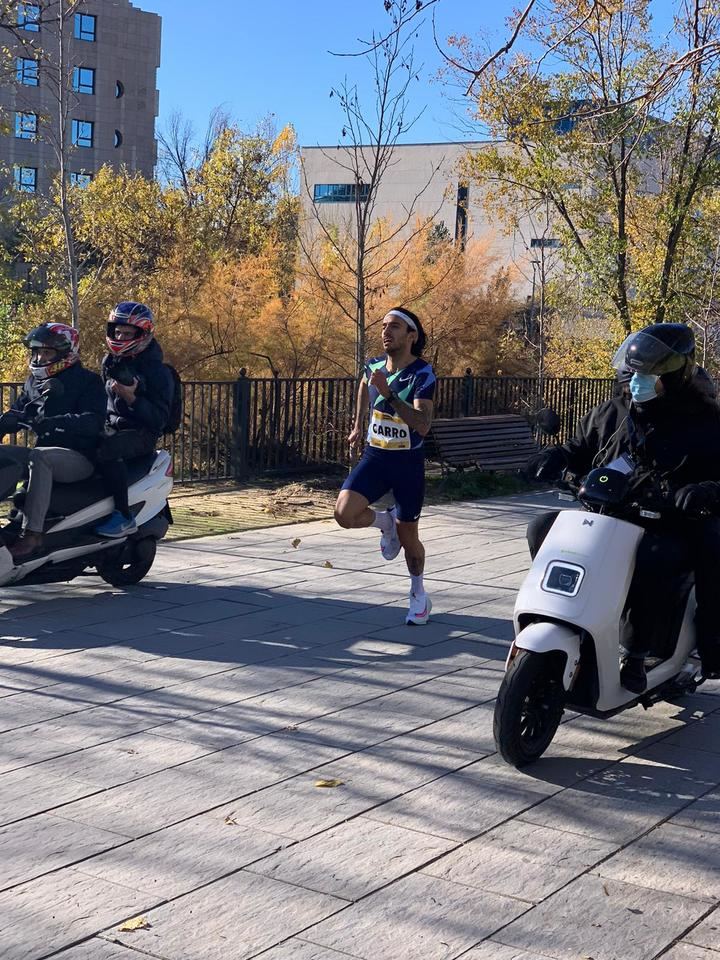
x,y
665,350
61,338
623,374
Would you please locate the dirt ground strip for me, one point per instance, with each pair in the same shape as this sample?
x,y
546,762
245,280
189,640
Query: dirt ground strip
x,y
205,510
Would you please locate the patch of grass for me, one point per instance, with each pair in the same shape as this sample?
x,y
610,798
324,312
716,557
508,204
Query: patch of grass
x,y
474,484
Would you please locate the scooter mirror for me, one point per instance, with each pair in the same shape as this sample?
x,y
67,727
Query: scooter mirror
x,y
548,422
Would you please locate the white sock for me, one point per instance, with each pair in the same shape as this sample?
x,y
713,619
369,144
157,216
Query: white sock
x,y
383,521
416,585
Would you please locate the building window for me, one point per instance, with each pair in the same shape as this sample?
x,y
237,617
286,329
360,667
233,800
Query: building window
x,y
83,133
27,71
25,179
26,126
549,243
119,90
80,179
84,80
118,139
28,17
339,192
85,24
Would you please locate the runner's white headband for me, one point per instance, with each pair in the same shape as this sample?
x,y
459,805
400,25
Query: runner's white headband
x,y
403,316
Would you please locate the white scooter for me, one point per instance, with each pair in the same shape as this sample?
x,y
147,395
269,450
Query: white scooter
x,y
568,615
71,545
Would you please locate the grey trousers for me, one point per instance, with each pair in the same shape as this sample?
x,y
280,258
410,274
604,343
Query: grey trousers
x,y
47,465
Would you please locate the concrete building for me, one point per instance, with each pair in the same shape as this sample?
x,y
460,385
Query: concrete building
x,y
423,180
113,54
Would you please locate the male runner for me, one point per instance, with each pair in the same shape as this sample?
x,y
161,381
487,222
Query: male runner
x,y
398,390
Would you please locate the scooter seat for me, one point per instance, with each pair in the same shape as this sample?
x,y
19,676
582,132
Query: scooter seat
x,y
68,498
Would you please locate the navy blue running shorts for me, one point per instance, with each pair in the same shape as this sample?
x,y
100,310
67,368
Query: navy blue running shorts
x,y
401,471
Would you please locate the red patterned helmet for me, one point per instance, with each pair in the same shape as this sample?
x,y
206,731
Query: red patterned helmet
x,y
61,338
134,315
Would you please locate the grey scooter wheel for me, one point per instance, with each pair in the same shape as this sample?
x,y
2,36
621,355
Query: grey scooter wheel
x,y
130,564
529,706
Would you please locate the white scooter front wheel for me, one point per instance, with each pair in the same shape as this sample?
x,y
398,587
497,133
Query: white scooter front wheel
x,y
529,706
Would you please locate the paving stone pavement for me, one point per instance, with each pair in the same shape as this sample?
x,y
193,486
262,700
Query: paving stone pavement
x,y
161,750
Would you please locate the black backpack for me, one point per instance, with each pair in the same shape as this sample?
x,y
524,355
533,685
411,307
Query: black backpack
x,y
175,417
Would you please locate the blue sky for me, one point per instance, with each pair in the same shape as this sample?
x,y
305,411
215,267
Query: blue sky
x,y
256,59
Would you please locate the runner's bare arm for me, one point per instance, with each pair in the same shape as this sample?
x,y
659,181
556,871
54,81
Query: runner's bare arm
x,y
361,404
417,415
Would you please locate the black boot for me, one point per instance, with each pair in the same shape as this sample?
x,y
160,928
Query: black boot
x,y
709,651
632,674
710,667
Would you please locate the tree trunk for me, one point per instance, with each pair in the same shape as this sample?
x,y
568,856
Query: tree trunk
x,y
360,310
70,249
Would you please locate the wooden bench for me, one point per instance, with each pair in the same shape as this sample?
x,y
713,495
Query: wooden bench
x,y
501,443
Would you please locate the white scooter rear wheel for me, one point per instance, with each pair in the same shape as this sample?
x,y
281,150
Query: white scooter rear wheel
x,y
529,706
130,565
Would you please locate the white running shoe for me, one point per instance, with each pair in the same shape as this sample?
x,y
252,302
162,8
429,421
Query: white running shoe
x,y
419,612
390,541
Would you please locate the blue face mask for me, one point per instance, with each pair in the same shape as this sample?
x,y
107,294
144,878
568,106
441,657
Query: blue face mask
x,y
642,387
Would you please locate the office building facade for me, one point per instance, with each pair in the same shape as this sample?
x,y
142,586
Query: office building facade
x,y
112,53
423,181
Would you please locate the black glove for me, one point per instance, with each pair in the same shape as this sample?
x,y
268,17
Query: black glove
x,y
9,423
41,425
697,499
548,465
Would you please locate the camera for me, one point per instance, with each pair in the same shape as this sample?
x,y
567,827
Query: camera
x,y
123,373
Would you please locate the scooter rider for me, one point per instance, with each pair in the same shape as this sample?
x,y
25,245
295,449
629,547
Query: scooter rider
x,y
669,421
139,394
64,406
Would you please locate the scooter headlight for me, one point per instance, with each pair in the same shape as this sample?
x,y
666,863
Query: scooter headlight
x,y
563,578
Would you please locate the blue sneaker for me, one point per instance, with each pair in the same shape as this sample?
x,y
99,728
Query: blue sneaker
x,y
117,525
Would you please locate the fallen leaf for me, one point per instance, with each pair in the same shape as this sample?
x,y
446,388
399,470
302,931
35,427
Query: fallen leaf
x,y
329,783
607,892
296,542
137,923
328,565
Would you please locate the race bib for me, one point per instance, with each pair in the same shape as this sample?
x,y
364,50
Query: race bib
x,y
387,432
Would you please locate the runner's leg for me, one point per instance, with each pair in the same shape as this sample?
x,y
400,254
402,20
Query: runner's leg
x,y
409,491
352,510
414,554
366,483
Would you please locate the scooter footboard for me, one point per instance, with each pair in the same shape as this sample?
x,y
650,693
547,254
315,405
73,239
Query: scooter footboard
x,y
546,637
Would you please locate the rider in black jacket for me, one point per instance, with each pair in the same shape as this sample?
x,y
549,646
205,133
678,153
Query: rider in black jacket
x,y
139,395
669,421
64,405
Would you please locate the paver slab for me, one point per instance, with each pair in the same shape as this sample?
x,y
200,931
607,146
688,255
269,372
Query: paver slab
x,y
236,917
418,916
672,858
354,859
521,860
40,917
464,804
603,919
30,848
707,933
178,859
